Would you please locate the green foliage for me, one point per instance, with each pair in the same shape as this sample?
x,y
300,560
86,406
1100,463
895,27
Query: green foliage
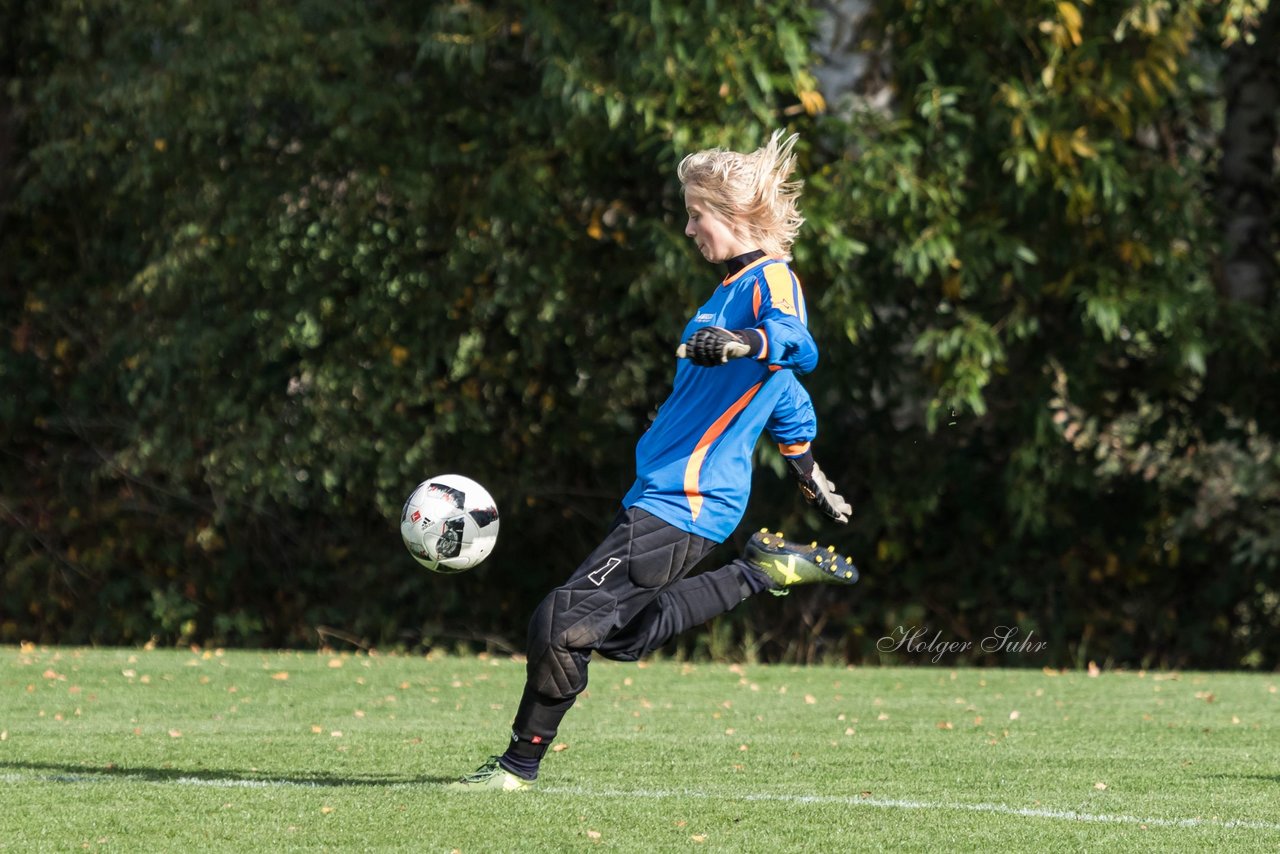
x,y
1034,210
266,268
315,254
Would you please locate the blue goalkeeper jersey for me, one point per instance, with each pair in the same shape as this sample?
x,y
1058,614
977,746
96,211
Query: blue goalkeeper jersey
x,y
693,465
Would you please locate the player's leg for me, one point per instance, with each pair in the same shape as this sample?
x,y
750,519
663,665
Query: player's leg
x,y
688,603
639,557
769,562
642,555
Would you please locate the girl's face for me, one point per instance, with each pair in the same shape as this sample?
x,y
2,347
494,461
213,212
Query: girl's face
x,y
718,238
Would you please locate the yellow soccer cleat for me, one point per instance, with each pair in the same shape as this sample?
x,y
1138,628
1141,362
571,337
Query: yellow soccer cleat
x,y
491,777
790,564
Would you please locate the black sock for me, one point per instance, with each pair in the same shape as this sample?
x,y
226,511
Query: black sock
x,y
524,753
521,766
754,581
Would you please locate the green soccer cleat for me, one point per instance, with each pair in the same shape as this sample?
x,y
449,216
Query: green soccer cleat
x,y
790,564
491,775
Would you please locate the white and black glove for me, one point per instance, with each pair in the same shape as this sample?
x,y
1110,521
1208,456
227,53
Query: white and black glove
x,y
817,490
712,345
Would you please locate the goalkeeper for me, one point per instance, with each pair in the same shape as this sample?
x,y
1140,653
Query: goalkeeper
x,y
736,376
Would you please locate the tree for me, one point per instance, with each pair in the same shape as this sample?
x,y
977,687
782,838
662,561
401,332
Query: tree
x,y
283,263
1035,215
266,268
1247,174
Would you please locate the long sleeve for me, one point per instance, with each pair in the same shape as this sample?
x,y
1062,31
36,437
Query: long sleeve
x,y
793,424
782,319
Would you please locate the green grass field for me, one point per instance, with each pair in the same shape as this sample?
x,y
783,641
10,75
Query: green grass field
x,y
178,750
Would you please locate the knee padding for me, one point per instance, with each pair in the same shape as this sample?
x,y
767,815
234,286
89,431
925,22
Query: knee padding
x,y
566,626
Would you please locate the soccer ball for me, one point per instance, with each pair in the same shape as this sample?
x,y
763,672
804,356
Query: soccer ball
x,y
449,524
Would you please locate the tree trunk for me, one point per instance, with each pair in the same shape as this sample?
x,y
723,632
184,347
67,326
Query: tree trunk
x,y
8,71
850,76
1246,178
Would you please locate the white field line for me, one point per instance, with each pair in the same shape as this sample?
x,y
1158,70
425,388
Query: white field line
x,y
901,804
694,794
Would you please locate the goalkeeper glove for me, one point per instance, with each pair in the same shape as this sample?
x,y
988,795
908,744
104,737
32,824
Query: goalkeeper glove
x,y
712,345
817,490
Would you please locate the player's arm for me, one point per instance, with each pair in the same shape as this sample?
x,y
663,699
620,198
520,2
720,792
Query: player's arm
x,y
793,425
780,337
783,321
816,489
715,345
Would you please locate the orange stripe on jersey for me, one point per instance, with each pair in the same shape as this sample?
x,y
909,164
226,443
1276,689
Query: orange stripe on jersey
x,y
793,450
693,469
756,299
784,290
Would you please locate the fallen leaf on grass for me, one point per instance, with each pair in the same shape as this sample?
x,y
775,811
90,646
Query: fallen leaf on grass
x,y
281,676
325,810
175,733
593,834
1014,715
945,725
1100,786
699,837
559,747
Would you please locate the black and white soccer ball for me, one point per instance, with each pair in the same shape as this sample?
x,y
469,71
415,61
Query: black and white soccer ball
x,y
449,524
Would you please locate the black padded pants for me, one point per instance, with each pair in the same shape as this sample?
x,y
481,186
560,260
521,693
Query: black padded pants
x,y
628,598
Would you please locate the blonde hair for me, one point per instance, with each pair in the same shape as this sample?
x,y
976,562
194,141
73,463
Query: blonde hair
x,y
751,191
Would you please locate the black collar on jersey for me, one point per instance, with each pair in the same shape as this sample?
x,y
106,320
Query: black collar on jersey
x,y
735,265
